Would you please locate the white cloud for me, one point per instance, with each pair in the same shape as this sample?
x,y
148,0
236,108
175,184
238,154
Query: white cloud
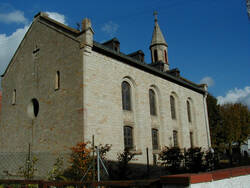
x,y
58,17
236,95
9,43
207,80
8,46
13,17
110,28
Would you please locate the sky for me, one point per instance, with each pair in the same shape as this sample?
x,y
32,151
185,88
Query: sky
x,y
208,40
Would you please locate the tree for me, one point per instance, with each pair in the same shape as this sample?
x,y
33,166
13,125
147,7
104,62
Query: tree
x,y
194,159
80,160
236,125
123,163
215,120
171,158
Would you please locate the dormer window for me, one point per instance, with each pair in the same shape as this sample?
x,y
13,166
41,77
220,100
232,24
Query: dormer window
x,y
113,44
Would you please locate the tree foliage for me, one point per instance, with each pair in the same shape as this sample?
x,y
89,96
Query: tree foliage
x,y
171,158
215,120
229,125
236,122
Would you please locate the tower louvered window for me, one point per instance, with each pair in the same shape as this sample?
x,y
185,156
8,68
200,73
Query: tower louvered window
x,y
155,55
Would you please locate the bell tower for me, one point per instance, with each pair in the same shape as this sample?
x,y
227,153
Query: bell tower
x,y
158,46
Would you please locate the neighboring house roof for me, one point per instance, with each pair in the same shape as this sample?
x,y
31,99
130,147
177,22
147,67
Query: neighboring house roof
x,y
101,48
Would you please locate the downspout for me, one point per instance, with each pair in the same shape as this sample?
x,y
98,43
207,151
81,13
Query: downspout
x,y
206,116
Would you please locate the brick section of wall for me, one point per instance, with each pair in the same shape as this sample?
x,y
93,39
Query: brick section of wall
x,y
187,179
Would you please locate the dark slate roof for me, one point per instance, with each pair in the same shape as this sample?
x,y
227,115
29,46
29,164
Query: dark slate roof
x,y
101,48
146,67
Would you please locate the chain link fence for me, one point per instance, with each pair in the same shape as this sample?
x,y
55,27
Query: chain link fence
x,y
14,165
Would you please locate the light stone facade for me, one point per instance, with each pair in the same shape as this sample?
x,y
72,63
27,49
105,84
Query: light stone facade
x,y
88,100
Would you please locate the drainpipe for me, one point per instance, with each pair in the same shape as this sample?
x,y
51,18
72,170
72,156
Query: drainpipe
x,y
206,116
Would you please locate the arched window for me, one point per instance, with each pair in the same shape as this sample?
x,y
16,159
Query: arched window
x,y
175,138
33,108
57,80
189,112
155,139
128,137
13,102
172,105
126,96
155,55
152,102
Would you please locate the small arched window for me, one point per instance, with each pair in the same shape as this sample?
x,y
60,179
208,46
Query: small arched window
x,y
175,138
126,96
128,137
155,142
189,112
152,102
57,80
13,102
172,105
155,55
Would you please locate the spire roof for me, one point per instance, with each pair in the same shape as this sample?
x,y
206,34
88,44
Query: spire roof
x,y
157,37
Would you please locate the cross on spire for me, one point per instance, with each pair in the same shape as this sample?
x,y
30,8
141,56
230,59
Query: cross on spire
x,y
155,15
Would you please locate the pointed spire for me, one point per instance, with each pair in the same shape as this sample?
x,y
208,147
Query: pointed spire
x,y
157,37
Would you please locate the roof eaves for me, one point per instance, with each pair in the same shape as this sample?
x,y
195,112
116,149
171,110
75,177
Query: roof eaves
x,y
131,61
63,26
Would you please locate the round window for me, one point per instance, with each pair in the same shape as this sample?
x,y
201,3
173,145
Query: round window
x,y
33,108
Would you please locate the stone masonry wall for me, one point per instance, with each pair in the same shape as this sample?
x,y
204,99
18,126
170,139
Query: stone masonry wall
x,y
58,125
105,118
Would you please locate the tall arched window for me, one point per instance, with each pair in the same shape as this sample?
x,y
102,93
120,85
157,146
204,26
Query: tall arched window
x,y
152,102
126,96
172,105
155,139
128,137
189,112
155,55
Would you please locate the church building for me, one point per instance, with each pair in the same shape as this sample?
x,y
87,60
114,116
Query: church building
x,y
62,87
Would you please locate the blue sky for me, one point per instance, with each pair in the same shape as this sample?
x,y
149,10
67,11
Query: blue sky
x,y
209,40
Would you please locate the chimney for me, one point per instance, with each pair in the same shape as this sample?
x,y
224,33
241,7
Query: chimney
x,y
87,33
